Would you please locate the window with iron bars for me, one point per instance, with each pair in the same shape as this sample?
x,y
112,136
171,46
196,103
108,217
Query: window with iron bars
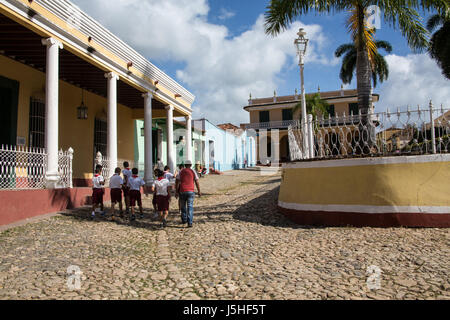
x,y
37,123
100,137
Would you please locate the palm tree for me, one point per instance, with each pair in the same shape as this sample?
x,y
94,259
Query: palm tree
x,y
440,42
314,105
380,69
401,14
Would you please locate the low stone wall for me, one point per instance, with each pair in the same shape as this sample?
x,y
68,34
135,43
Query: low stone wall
x,y
24,204
411,191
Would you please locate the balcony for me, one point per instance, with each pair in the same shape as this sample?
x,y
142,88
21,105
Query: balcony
x,y
284,124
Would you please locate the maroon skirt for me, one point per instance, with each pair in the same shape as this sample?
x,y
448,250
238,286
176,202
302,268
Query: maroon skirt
x,y
116,195
162,202
135,196
97,195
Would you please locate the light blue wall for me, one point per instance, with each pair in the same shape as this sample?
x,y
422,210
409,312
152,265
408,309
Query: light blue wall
x,y
230,150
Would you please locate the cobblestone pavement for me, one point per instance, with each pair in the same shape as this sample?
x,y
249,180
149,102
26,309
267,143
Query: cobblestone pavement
x,y
239,248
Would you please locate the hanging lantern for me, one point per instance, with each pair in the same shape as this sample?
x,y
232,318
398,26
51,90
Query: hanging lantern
x,y
82,110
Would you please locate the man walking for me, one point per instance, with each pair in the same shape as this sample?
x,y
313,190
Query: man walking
x,y
184,187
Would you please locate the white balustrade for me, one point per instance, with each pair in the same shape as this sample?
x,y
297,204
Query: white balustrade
x,y
25,168
408,132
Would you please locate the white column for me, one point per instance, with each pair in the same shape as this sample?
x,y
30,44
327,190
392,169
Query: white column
x,y
111,147
188,138
148,171
304,116
310,136
51,110
160,143
169,124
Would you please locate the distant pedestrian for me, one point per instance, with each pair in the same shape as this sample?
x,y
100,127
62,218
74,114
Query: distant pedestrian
x,y
161,188
126,189
167,174
155,211
98,190
135,183
177,171
185,190
160,165
116,184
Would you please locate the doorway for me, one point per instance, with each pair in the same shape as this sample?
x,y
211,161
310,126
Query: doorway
x,y
9,98
155,146
211,154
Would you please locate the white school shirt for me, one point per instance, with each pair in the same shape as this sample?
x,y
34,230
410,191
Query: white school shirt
x,y
135,183
161,186
96,181
168,175
126,173
115,182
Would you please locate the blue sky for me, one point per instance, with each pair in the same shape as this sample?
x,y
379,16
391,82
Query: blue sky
x,y
217,49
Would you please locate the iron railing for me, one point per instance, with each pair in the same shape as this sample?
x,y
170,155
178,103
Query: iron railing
x,y
407,132
25,168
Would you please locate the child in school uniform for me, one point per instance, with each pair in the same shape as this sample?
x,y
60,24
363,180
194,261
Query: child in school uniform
x,y
167,174
135,183
155,211
97,190
116,183
161,188
126,189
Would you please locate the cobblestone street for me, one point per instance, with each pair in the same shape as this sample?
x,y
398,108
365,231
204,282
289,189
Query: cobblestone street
x,y
239,248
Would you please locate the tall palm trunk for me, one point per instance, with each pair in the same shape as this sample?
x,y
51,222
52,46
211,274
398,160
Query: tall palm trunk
x,y
364,80
364,83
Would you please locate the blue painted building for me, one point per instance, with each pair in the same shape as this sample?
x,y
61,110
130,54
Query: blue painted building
x,y
212,146
225,150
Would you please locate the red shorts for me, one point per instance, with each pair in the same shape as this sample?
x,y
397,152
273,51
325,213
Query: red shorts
x,y
97,195
154,200
126,191
116,195
162,202
135,196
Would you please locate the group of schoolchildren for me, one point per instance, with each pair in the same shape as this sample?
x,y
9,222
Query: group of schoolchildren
x,y
130,185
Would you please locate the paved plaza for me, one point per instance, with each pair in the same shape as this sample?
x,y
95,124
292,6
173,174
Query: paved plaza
x,y
239,248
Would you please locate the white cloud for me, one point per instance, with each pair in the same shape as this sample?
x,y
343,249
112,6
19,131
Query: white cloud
x,y
226,14
220,70
413,80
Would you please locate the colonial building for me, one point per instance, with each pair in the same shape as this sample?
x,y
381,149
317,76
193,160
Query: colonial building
x,y
267,114
160,142
66,82
225,149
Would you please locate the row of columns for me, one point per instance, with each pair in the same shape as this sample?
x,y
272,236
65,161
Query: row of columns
x,y
51,120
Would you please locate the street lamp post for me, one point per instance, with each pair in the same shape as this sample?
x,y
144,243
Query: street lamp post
x,y
301,43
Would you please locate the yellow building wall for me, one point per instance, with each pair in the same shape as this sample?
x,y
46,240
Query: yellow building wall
x,y
78,134
31,83
399,184
341,107
254,116
276,115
